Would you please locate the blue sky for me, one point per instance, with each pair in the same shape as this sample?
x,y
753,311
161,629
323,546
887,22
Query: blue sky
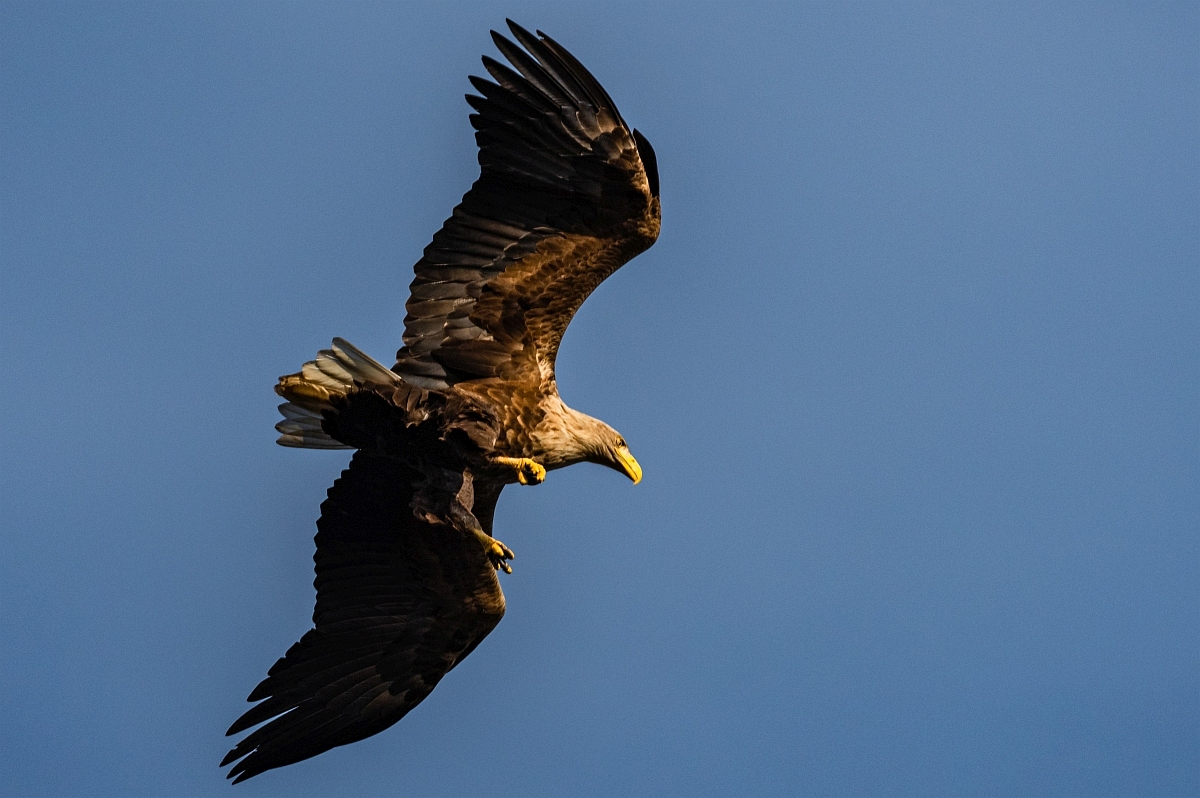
x,y
912,371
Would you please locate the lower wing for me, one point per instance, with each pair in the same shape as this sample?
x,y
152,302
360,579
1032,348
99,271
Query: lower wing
x,y
399,603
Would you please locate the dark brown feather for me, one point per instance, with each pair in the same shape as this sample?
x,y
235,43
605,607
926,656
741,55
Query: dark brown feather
x,y
399,603
567,193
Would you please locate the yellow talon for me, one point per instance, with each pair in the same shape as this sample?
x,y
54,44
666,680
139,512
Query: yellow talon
x,y
499,554
529,472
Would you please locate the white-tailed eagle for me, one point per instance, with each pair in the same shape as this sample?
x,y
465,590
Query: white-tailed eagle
x,y
406,562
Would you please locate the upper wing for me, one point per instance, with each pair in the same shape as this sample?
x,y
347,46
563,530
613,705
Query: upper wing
x,y
567,193
399,603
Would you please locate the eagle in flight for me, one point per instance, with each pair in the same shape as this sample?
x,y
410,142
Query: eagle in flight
x,y
406,562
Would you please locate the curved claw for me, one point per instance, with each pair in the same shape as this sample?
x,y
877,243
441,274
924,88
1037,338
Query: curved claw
x,y
531,472
499,554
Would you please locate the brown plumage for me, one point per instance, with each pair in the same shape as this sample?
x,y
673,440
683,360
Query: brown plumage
x,y
406,564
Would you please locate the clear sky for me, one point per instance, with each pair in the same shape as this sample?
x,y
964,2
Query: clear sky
x,y
913,372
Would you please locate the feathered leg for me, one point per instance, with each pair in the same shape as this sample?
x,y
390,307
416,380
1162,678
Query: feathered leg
x,y
447,497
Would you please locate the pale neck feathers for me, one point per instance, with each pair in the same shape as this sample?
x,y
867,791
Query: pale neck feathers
x,y
567,436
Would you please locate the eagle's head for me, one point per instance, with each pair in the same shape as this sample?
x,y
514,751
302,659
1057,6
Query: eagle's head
x,y
615,454
593,441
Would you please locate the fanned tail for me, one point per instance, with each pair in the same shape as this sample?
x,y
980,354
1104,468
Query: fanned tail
x,y
335,373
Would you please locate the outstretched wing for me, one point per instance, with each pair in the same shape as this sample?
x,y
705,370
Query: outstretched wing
x,y
567,193
399,603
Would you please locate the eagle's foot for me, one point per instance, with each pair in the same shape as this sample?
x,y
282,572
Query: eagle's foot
x,y
497,552
529,472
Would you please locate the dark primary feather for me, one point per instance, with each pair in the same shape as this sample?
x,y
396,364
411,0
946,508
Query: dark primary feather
x,y
399,603
566,194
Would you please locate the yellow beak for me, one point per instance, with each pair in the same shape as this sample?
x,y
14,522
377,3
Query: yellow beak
x,y
629,465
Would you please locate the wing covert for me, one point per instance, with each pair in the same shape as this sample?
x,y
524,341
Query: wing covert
x,y
567,193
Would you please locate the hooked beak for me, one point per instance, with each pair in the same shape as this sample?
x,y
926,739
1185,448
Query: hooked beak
x,y
629,465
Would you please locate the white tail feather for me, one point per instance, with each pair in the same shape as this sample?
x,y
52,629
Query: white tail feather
x,y
335,372
308,440
297,413
330,366
289,427
362,365
312,373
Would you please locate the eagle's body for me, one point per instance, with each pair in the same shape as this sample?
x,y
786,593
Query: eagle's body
x,y
406,562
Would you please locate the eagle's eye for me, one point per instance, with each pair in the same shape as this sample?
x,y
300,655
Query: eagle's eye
x,y
621,443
